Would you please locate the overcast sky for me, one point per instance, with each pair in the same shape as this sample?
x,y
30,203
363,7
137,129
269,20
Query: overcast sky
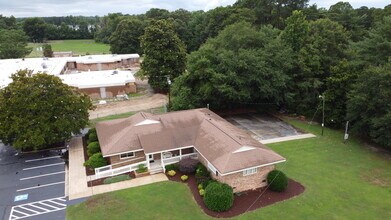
x,y
44,8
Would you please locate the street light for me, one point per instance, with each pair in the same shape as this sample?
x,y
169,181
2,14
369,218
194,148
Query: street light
x,y
169,92
323,98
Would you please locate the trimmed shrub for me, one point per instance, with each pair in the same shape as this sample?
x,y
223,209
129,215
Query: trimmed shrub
x,y
91,130
96,161
277,181
188,165
218,197
202,192
184,178
205,182
174,166
202,171
93,148
116,179
141,168
199,186
171,173
92,137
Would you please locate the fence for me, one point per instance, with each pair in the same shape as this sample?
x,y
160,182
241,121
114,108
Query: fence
x,y
107,171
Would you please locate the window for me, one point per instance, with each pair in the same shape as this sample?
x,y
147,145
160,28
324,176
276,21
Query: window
x,y
127,155
249,171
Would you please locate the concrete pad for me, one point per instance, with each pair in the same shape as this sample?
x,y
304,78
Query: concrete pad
x,y
77,175
289,138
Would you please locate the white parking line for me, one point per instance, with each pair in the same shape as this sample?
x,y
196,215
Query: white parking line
x,y
45,158
49,165
35,187
49,174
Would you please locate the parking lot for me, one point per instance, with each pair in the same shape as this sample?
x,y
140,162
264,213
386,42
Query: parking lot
x,y
32,186
263,126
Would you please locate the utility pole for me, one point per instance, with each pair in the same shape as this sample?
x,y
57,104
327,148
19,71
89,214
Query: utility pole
x,y
346,136
169,92
323,99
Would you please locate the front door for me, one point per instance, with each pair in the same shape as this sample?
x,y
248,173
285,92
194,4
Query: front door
x,y
151,158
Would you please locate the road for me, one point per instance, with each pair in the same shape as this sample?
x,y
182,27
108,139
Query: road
x,y
31,185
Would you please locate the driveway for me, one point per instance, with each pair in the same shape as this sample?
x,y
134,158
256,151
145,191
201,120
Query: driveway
x,y
31,185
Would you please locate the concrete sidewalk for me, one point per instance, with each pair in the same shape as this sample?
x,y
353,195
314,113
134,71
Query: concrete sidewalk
x,y
289,138
78,179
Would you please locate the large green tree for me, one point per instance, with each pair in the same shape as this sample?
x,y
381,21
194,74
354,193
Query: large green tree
x,y
35,28
126,38
369,105
239,66
13,44
38,110
164,54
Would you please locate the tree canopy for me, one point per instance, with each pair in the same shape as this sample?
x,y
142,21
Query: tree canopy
x,y
164,54
13,44
35,28
126,38
240,65
38,110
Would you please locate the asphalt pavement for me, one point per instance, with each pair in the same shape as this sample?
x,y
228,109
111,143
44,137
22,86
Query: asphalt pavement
x,y
32,185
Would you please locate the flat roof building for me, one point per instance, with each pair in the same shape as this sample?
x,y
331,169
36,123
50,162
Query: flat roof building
x,y
95,75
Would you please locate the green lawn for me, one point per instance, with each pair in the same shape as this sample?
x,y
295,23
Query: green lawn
x,y
78,47
343,181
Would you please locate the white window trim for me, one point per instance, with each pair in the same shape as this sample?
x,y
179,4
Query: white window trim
x,y
127,157
250,171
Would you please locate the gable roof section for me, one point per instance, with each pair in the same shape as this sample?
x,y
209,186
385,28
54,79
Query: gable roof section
x,y
224,145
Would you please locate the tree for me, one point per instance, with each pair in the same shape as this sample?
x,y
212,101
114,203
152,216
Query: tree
x,y
240,65
296,30
107,25
369,105
376,48
38,110
324,47
35,28
47,50
126,38
164,54
13,44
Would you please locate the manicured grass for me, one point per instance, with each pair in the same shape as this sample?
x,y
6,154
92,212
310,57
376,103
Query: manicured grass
x,y
78,47
111,117
343,181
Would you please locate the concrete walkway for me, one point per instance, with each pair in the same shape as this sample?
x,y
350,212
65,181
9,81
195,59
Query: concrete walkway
x,y
289,138
78,179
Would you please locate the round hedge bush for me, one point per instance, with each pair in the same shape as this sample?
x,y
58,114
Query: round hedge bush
x,y
218,197
277,181
96,161
92,137
188,165
93,148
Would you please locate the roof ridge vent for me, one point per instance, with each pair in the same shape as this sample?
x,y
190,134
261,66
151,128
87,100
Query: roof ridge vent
x,y
243,149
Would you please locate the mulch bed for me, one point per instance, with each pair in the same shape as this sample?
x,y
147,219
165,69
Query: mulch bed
x,y
243,202
100,181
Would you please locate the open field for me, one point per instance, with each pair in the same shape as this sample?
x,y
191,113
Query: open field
x,y
343,181
78,47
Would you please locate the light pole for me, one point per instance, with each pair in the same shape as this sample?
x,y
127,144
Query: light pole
x,y
323,99
169,92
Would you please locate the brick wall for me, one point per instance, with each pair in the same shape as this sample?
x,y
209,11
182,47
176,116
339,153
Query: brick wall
x,y
139,157
111,92
241,183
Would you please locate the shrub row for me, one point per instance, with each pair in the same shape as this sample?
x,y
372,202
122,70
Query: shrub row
x,y
174,167
116,179
93,148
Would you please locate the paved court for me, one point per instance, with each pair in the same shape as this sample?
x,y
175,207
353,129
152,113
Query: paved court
x,y
264,127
